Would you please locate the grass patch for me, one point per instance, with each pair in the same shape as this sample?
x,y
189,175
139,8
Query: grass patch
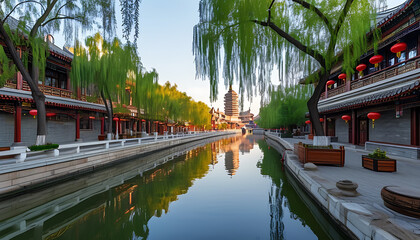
x,y
43,147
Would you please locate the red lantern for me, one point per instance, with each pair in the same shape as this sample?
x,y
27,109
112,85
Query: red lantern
x,y
360,68
373,116
398,48
346,118
124,106
308,122
115,119
342,76
91,117
51,114
330,82
321,120
376,60
33,112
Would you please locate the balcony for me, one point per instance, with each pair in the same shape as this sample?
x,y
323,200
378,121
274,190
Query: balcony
x,y
53,91
386,73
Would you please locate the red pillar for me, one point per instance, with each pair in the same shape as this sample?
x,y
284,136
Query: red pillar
x,y
325,125
18,122
120,126
77,126
102,125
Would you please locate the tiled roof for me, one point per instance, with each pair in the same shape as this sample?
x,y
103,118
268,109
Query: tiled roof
x,y
377,92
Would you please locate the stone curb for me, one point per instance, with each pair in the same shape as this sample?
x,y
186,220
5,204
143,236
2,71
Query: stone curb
x,y
353,216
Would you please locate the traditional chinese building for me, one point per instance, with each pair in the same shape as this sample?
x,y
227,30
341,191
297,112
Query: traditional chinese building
x,y
390,92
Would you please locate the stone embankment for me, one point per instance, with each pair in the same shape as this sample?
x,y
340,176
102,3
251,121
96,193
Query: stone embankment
x,y
38,171
363,215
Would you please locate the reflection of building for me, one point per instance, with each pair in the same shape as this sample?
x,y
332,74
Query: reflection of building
x,y
232,162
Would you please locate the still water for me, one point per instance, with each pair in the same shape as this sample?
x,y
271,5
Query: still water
x,y
232,188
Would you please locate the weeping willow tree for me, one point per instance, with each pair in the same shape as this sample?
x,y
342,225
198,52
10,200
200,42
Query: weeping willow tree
x,y
245,39
285,107
35,19
104,68
166,102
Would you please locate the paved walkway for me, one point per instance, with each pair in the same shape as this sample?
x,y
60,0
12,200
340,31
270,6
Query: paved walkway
x,y
370,185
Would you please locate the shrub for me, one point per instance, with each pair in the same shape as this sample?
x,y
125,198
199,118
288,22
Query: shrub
x,y
43,147
378,154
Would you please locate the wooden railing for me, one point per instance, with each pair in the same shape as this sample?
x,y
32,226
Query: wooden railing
x,y
52,91
391,71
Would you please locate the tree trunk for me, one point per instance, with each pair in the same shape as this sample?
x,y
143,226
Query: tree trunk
x,y
108,112
37,95
313,105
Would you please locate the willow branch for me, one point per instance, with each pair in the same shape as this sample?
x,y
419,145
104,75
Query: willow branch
x,y
343,16
311,52
316,11
44,16
58,18
17,5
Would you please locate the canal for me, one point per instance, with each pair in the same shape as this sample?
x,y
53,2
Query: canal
x,y
231,188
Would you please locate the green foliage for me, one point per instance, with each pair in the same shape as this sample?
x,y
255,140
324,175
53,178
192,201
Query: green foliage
x,y
222,126
7,70
47,146
286,107
378,154
231,38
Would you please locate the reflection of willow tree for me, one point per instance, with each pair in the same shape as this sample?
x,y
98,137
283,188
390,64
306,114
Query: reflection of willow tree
x,y
283,194
271,166
161,187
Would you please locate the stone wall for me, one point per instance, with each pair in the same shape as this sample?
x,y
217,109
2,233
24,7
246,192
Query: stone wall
x,y
58,131
22,176
390,129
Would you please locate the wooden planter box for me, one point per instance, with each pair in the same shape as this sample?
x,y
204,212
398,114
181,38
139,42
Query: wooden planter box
x,y
379,165
101,137
320,156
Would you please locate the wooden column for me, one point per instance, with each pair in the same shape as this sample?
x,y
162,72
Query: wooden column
x,y
77,126
102,125
354,139
325,125
18,122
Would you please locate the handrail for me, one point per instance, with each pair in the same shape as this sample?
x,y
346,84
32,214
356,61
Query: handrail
x,y
20,154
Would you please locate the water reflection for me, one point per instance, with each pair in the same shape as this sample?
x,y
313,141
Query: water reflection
x,y
172,202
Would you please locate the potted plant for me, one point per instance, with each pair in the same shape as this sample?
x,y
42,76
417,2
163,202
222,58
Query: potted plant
x,y
379,162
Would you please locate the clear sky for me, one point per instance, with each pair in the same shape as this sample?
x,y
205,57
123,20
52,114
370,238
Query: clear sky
x,y
165,43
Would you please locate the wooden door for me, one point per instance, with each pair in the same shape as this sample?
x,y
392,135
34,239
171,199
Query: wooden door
x,y
363,131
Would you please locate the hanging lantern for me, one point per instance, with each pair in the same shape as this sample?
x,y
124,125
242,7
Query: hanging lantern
x,y
92,117
115,119
321,120
346,118
33,112
398,48
124,106
308,122
376,60
330,83
342,76
360,68
373,116
51,114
